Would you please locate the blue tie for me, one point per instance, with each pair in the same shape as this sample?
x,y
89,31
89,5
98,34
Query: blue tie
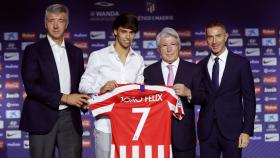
x,y
215,73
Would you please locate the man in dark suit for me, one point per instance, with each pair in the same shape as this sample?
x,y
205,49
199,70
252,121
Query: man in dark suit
x,y
186,79
51,72
227,121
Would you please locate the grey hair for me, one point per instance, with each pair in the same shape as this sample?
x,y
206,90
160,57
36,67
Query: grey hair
x,y
168,32
57,8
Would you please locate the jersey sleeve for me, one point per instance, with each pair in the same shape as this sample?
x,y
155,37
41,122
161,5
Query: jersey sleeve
x,y
100,104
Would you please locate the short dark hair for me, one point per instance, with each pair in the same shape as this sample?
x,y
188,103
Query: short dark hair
x,y
215,23
126,20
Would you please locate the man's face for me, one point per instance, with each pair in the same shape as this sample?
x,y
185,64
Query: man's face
x,y
124,37
169,49
56,24
216,38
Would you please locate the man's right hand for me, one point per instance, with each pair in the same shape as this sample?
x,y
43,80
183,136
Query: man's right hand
x,y
109,86
78,100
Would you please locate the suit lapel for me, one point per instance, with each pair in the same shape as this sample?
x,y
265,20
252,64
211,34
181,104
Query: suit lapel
x,y
158,74
226,71
70,60
207,73
49,57
178,73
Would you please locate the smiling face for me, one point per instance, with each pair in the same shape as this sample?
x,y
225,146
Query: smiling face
x,y
216,38
169,49
56,24
124,37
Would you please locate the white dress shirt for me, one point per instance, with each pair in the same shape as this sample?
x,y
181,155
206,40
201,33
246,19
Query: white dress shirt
x,y
165,70
222,64
62,66
105,65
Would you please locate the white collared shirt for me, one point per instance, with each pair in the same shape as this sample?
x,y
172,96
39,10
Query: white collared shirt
x,y
62,64
222,64
105,65
165,70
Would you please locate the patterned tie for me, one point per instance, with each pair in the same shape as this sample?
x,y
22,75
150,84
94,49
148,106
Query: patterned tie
x,y
170,78
215,73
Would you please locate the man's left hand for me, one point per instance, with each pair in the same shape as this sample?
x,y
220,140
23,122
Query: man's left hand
x,y
182,90
243,140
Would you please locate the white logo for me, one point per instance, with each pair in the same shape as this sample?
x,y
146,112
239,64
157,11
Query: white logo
x,y
149,44
252,32
271,118
258,128
11,56
271,137
1,124
236,42
258,108
12,114
13,134
10,36
252,52
269,41
269,61
97,35
26,144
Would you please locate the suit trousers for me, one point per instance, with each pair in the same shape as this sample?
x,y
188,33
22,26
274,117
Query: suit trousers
x,y
63,136
217,144
102,143
190,153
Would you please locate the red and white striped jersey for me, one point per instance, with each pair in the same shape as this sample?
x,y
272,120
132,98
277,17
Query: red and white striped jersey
x,y
140,121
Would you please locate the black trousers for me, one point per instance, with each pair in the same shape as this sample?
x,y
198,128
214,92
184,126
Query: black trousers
x,y
217,144
63,136
184,154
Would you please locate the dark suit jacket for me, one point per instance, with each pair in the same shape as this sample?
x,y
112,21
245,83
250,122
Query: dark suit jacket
x,y
41,82
189,74
233,115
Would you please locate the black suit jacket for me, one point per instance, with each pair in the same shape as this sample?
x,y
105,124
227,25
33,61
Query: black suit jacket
x,y
41,82
189,74
234,102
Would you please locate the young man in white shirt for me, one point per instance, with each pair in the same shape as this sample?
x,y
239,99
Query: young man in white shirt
x,y
115,64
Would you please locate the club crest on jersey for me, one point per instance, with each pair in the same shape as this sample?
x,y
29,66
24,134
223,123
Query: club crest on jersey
x,y
150,98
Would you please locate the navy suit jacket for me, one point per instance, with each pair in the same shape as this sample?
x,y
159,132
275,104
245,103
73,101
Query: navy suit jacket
x,y
189,74
234,102
41,82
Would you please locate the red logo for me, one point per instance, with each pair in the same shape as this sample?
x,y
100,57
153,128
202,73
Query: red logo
x,y
184,33
149,34
269,32
270,108
12,85
82,45
269,79
257,89
28,35
200,43
2,144
67,35
86,123
86,143
185,53
24,95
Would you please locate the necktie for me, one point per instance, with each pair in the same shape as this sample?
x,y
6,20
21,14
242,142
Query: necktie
x,y
215,73
170,78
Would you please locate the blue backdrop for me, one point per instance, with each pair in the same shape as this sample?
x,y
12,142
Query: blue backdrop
x,y
254,33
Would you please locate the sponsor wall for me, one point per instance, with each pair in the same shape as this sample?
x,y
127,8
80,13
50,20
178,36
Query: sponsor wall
x,y
258,39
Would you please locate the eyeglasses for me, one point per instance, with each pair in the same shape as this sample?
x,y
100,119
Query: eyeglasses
x,y
165,46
